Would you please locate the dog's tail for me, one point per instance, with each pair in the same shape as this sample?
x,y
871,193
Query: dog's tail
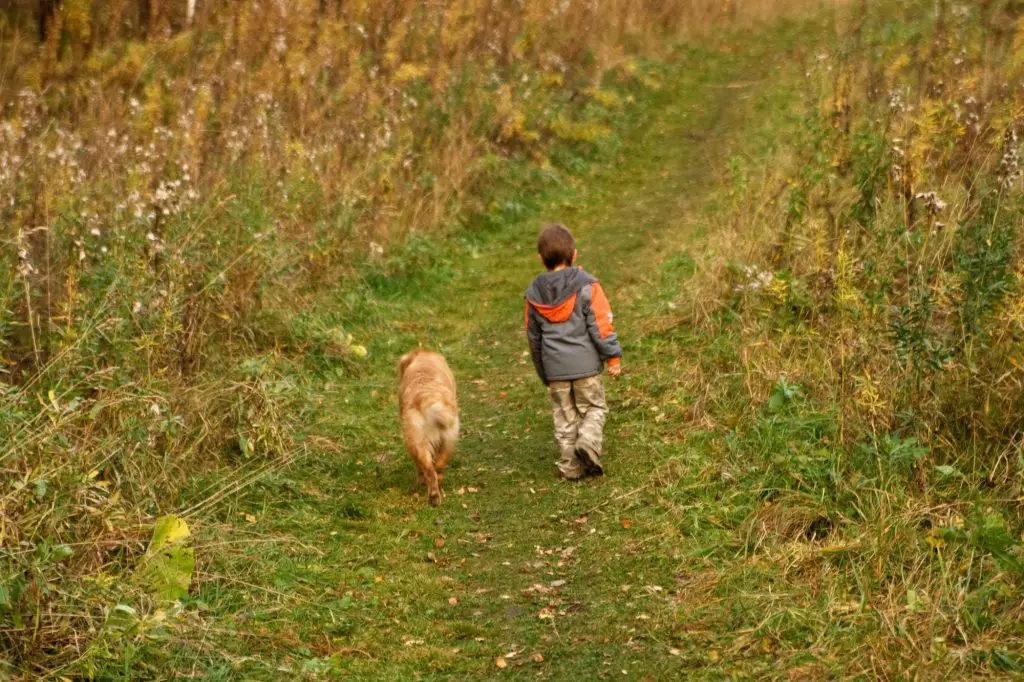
x,y
440,416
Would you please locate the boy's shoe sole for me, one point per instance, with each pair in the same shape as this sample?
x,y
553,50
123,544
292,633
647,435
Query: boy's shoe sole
x,y
591,465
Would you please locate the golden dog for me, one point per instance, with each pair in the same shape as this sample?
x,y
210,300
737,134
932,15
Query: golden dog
x,y
429,413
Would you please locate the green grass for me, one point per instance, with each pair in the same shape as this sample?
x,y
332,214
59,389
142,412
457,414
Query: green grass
x,y
724,541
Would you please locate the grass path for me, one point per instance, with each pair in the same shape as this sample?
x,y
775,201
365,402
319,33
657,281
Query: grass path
x,y
334,570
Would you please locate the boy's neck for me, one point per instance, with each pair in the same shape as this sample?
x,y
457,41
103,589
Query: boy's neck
x,y
563,266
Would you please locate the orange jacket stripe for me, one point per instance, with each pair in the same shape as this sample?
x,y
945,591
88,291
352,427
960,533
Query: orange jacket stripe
x,y
602,310
554,313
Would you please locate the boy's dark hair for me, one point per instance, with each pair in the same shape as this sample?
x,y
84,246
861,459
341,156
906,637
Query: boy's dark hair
x,y
556,245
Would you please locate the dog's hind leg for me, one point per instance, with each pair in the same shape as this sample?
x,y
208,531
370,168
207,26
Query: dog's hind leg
x,y
427,473
433,487
444,451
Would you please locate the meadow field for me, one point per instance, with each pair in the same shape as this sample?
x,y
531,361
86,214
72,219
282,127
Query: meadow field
x,y
222,224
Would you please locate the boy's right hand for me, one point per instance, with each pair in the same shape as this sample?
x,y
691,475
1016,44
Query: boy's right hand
x,y
614,370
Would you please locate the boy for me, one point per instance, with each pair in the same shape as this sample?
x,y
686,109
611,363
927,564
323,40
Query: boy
x,y
569,326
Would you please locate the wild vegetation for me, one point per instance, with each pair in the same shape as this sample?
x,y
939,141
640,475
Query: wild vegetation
x,y
223,222
866,262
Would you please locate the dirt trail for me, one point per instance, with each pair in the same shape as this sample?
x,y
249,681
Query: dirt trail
x,y
517,573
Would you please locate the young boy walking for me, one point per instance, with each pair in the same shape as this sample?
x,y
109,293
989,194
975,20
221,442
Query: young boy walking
x,y
569,326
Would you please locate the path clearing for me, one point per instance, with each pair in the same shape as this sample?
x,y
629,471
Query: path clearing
x,y
517,573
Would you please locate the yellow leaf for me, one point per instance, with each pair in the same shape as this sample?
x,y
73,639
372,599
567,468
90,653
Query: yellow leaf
x,y
501,662
168,530
409,71
626,523
170,562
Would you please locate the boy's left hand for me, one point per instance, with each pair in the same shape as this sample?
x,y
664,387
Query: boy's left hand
x,y
614,370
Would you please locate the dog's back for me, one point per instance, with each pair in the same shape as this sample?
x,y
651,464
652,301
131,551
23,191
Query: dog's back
x,y
429,413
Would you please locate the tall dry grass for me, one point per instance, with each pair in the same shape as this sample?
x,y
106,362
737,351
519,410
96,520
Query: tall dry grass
x,y
869,264
888,225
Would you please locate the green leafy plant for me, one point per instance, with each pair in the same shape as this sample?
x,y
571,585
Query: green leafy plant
x,y
167,567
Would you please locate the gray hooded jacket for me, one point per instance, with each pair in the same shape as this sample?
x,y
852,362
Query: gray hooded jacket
x,y
569,326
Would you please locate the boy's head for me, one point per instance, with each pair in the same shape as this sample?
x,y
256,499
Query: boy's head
x,y
556,246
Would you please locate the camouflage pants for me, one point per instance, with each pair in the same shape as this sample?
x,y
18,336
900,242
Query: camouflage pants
x,y
580,412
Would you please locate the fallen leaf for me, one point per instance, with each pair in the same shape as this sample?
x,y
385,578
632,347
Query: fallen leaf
x,y
557,583
626,523
538,658
714,656
431,557
501,662
250,518
452,601
439,543
675,652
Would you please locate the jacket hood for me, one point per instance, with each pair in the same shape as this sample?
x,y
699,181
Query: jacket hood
x,y
553,294
555,287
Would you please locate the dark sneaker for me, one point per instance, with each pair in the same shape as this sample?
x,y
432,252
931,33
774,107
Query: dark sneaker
x,y
591,463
